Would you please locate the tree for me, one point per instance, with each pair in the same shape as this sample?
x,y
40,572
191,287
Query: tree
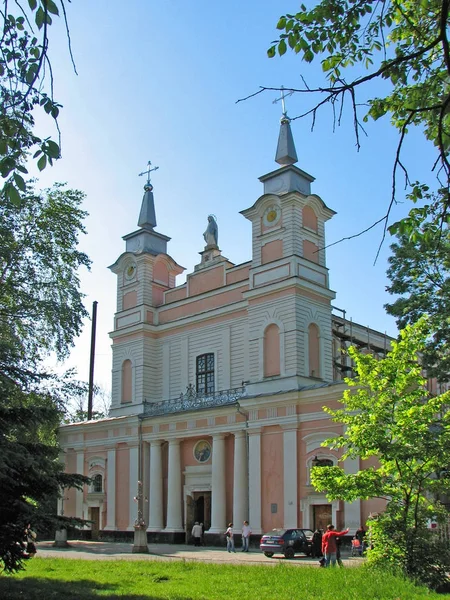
x,y
25,73
388,414
403,46
419,270
41,311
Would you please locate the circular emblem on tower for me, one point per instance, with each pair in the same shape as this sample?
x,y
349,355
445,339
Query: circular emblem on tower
x,y
130,271
202,451
271,215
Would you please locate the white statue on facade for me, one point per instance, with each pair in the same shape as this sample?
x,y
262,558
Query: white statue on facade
x,y
211,234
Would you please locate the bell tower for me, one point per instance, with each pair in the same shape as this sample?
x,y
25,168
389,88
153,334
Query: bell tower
x,y
144,273
289,295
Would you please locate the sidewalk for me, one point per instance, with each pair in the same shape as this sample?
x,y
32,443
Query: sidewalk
x,y
123,551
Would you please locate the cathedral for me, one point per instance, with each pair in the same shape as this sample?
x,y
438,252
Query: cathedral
x,y
219,384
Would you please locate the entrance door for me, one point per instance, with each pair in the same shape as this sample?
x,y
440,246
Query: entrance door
x,y
94,516
322,516
198,508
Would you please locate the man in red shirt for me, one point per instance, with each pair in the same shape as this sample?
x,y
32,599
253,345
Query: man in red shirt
x,y
329,544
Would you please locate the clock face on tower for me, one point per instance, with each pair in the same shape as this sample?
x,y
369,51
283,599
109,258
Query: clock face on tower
x,y
271,215
130,271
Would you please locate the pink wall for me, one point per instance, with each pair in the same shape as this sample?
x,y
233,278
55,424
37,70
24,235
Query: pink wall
x,y
314,350
122,486
309,218
127,374
271,251
310,251
187,451
199,306
272,479
229,469
238,274
176,294
160,272
271,351
129,300
206,281
157,295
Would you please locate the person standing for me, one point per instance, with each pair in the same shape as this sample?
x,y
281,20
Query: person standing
x,y
246,532
317,544
338,552
230,538
329,547
360,535
197,533
30,537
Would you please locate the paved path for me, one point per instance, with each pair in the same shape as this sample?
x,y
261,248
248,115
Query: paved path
x,y
122,551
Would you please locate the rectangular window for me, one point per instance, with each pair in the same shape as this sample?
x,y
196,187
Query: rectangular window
x,y
205,374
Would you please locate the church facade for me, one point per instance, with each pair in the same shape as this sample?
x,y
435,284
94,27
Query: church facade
x,y
219,384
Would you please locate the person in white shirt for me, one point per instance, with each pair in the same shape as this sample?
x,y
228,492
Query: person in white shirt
x,y
197,533
230,538
246,532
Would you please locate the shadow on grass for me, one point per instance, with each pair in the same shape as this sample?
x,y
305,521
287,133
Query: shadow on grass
x,y
30,588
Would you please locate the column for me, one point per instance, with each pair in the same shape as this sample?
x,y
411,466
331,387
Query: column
x,y
240,483
111,490
254,476
79,494
133,483
174,519
290,478
218,504
352,510
155,522
145,480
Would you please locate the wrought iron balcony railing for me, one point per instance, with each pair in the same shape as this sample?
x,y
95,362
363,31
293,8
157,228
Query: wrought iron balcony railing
x,y
193,400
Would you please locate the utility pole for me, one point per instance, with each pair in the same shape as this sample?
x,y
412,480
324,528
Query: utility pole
x,y
92,359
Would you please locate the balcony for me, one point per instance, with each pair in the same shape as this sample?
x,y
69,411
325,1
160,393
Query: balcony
x,y
193,400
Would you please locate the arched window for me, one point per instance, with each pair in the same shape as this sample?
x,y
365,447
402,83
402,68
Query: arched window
x,y
314,350
272,351
205,373
97,484
309,218
127,374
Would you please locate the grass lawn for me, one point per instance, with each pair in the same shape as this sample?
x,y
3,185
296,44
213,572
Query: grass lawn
x,y
48,579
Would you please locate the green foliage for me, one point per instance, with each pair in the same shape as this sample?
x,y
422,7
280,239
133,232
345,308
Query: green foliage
x,y
24,61
388,414
419,270
41,311
403,46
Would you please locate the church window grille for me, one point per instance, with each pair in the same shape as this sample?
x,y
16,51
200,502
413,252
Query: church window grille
x,y
97,484
205,373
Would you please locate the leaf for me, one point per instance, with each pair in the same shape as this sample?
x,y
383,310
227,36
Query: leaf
x,y
51,7
13,195
281,23
32,4
40,16
53,149
282,48
20,182
271,52
42,162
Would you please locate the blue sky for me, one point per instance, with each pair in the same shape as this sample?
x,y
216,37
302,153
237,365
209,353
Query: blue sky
x,y
159,80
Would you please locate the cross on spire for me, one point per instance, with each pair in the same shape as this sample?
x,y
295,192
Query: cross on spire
x,y
148,171
282,100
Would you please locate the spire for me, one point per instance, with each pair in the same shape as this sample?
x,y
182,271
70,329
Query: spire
x,y
147,216
286,154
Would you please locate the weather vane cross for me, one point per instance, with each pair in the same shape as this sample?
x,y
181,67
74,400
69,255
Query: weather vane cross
x,y
282,99
148,171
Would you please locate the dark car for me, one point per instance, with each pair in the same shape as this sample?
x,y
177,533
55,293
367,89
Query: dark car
x,y
287,541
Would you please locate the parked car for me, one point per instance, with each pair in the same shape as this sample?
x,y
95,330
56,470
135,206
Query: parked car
x,y
287,541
